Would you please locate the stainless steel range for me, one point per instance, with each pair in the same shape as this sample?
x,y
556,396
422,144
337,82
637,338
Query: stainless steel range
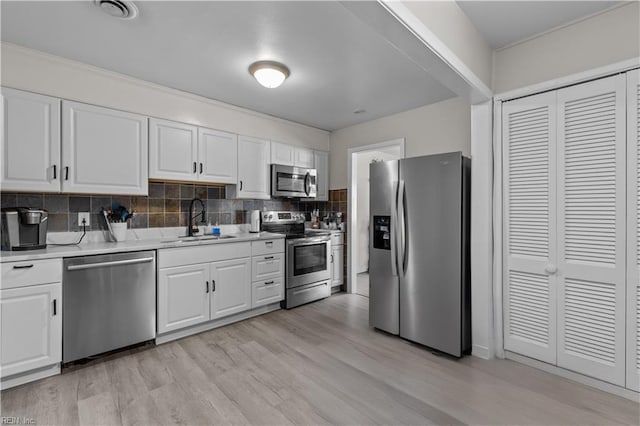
x,y
308,258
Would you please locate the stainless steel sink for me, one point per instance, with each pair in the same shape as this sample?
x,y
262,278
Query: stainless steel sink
x,y
187,239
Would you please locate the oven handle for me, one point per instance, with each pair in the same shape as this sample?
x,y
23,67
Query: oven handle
x,y
308,241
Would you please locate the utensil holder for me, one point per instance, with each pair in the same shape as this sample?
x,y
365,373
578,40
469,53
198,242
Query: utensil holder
x,y
119,231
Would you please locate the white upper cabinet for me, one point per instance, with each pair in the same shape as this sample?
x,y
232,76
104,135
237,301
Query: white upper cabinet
x,y
303,157
253,169
179,151
173,150
321,160
217,156
30,156
281,154
633,230
104,151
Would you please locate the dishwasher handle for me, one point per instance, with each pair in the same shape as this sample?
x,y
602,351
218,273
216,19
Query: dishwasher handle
x,y
107,264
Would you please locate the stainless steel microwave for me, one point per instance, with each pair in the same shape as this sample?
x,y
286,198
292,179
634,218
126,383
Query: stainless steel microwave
x,y
289,181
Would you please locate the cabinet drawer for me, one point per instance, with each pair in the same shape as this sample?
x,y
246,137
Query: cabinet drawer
x,y
267,247
268,291
267,266
180,256
337,239
22,274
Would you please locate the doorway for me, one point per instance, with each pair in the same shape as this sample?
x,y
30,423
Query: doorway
x,y
358,217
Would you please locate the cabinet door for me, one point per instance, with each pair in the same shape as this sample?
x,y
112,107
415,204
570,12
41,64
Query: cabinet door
x,y
183,296
217,156
591,226
303,157
231,280
30,156
173,150
31,328
321,160
633,230
253,168
530,286
281,154
104,151
337,266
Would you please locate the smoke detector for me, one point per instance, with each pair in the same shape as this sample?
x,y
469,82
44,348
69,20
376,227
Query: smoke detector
x,y
122,9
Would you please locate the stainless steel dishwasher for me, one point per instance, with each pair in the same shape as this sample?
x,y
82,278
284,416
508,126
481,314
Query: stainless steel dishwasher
x,y
109,302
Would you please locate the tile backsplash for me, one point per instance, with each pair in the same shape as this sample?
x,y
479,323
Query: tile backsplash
x,y
166,205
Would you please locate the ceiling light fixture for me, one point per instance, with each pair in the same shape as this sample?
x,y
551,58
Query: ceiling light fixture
x,y
269,73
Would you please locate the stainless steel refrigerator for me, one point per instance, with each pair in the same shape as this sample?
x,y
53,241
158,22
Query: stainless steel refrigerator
x,y
419,250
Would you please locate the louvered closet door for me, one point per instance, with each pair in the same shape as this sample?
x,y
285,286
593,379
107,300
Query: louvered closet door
x,y
633,230
591,226
529,133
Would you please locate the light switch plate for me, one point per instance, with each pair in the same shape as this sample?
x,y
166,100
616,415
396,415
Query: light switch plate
x,y
86,216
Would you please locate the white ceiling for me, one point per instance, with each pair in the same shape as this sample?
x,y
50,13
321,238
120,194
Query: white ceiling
x,y
341,55
338,64
502,23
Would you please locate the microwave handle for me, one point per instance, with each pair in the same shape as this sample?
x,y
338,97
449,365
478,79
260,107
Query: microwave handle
x,y
307,183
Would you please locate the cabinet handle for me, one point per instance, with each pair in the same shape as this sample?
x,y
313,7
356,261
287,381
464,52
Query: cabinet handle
x,y
268,243
332,258
55,172
213,285
195,167
55,307
268,257
200,168
268,282
240,185
23,266
207,287
66,173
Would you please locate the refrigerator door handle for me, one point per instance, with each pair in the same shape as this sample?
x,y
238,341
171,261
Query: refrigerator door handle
x,y
402,235
393,229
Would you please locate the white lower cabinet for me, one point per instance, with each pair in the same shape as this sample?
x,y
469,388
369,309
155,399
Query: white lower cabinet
x,y
31,327
267,272
230,287
30,319
183,296
337,259
210,282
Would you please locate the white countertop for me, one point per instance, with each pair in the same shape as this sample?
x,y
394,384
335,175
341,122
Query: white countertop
x,y
105,247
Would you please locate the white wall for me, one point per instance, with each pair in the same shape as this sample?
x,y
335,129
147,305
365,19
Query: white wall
x,y
38,72
603,39
432,129
451,25
362,208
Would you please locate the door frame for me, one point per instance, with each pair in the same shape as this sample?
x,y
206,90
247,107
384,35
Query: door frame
x,y
352,194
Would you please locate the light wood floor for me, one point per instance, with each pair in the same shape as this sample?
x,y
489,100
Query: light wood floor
x,y
317,364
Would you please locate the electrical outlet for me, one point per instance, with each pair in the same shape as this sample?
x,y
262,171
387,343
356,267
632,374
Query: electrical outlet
x,y
86,216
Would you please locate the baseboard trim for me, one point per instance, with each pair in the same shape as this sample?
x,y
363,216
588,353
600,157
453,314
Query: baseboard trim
x,y
30,376
480,352
189,331
576,377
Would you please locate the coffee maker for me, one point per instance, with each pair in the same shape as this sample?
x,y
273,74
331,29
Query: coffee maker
x,y
24,228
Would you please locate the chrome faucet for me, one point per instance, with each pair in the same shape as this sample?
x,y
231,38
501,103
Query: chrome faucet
x,y
193,228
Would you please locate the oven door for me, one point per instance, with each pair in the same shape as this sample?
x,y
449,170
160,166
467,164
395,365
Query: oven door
x,y
308,261
287,181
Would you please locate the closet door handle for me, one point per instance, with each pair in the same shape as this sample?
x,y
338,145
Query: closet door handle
x,y
551,269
